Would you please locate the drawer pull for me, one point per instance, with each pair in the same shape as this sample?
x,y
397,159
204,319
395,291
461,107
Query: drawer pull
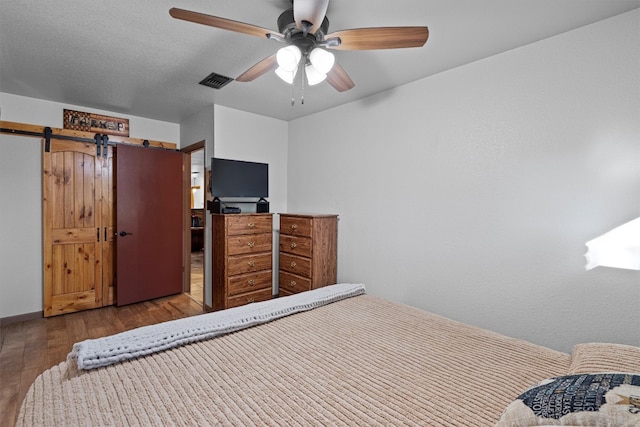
x,y
251,244
293,226
293,245
251,282
251,225
251,263
293,283
293,264
250,300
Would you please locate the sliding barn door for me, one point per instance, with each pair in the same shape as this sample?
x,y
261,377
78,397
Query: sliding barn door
x,y
72,227
149,223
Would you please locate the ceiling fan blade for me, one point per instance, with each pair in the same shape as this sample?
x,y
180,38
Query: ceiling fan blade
x,y
217,22
312,11
339,79
267,64
380,38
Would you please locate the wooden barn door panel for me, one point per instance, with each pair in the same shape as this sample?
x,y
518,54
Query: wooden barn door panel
x,y
149,223
72,228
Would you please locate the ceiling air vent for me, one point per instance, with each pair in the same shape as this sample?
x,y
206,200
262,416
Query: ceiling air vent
x,y
216,81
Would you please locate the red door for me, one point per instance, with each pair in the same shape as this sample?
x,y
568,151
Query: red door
x,y
148,223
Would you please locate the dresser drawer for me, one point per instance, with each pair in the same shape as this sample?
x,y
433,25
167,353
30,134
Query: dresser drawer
x,y
295,225
249,224
248,263
295,245
262,295
250,282
249,243
295,264
291,283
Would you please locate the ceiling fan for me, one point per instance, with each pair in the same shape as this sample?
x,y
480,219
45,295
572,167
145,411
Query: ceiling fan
x,y
304,30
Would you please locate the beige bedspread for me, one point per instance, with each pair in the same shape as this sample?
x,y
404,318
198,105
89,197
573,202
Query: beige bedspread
x,y
363,361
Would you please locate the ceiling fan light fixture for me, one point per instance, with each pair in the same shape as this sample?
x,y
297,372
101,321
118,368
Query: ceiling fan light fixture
x,y
322,60
313,75
288,57
286,75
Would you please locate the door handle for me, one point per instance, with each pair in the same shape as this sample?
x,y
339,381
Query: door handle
x,y
124,233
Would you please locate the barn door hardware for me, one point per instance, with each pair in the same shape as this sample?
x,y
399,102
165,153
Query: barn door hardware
x,y
47,134
98,141
105,144
47,139
102,142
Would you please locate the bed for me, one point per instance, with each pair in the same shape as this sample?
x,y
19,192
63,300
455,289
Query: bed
x,y
330,358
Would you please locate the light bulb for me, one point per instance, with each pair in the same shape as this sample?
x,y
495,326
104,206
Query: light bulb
x,y
313,75
322,60
285,75
288,57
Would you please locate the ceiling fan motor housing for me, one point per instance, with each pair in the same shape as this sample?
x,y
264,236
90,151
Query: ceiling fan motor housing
x,y
305,41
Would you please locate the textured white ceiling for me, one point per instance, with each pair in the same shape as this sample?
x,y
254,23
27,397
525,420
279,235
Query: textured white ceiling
x,y
131,57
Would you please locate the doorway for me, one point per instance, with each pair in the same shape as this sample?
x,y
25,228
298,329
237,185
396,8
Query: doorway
x,y
196,215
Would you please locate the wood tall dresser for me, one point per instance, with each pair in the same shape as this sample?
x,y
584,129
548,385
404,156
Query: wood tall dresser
x,y
242,259
308,252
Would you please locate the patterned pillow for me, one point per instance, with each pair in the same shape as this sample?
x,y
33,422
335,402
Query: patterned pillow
x,y
603,399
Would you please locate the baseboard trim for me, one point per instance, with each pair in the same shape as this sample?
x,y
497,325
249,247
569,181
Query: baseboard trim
x,y
21,318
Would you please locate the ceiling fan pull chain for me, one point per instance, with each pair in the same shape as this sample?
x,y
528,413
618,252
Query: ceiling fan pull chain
x,y
293,94
302,87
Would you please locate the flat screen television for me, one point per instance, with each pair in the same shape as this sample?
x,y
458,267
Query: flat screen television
x,y
238,178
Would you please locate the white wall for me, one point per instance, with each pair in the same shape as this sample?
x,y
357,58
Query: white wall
x,y
471,193
20,225
21,192
246,136
198,127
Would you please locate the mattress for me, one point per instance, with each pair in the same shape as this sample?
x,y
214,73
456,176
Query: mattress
x,y
359,361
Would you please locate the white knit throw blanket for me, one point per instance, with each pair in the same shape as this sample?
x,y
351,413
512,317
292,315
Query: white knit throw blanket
x,y
94,353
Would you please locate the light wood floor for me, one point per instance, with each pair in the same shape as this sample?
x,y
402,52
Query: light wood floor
x,y
197,276
29,348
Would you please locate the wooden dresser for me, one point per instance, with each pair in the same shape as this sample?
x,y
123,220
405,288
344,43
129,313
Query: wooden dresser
x,y
242,259
308,252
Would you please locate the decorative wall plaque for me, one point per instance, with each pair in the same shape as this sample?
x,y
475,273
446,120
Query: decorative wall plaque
x,y
89,122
